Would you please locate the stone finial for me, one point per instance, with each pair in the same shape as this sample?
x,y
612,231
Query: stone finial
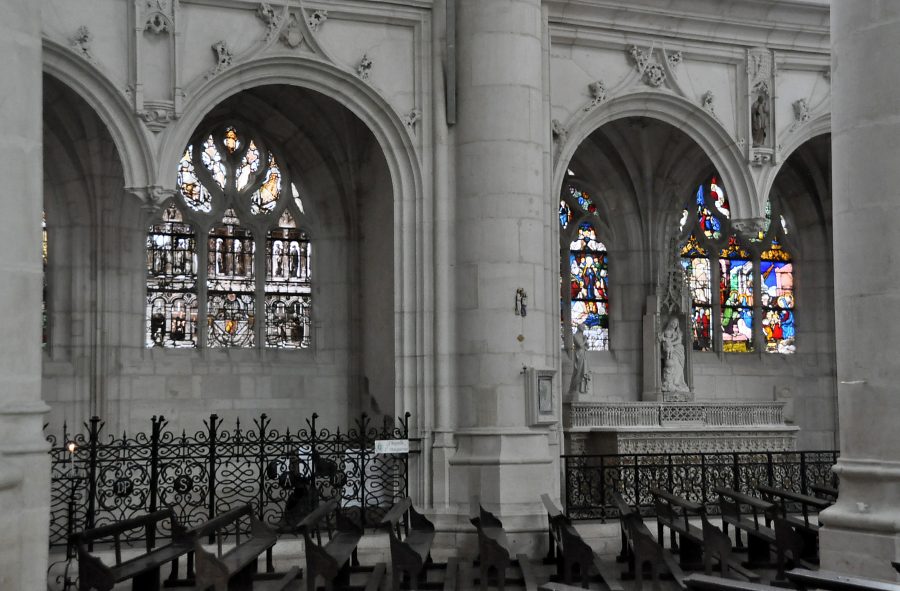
x,y
364,67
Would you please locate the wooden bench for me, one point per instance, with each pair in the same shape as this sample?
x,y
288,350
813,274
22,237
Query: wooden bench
x,y
572,552
832,581
760,538
332,561
494,551
409,555
824,492
236,568
808,531
673,512
716,544
643,551
143,570
708,583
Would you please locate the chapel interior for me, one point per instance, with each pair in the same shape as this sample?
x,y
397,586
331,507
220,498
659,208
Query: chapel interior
x,y
525,242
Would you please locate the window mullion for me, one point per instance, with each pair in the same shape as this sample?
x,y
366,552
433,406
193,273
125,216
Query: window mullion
x,y
759,338
716,301
261,273
202,324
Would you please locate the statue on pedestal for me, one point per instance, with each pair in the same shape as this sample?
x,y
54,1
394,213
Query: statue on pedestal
x,y
672,341
581,377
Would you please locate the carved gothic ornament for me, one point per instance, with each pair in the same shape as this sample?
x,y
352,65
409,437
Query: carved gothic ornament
x,y
694,442
672,282
598,94
651,71
288,26
157,114
272,20
81,42
801,113
560,133
153,196
674,59
316,20
760,105
708,102
364,68
411,118
157,16
223,57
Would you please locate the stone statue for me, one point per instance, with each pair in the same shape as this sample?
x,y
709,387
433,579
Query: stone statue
x,y
673,358
580,375
759,120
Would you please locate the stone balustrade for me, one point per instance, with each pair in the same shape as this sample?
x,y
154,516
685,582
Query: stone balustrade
x,y
674,414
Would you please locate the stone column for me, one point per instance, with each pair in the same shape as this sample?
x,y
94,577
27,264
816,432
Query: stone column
x,y
861,529
502,243
24,464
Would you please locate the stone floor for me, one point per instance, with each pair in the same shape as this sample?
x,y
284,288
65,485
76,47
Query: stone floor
x,y
375,547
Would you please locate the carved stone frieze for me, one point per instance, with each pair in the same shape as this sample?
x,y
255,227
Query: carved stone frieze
x,y
364,68
81,42
638,443
597,91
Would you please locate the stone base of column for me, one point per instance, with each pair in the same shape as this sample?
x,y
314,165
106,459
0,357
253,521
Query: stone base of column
x,y
24,496
866,554
508,470
861,533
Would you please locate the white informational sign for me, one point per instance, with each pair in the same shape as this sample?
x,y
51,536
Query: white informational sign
x,y
392,446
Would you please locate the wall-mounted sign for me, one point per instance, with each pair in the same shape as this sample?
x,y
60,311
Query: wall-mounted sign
x,y
392,446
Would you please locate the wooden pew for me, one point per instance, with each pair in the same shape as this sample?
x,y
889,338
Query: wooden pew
x,y
824,492
409,555
333,561
760,538
708,583
808,531
718,545
673,512
494,551
643,549
236,568
572,552
143,570
832,581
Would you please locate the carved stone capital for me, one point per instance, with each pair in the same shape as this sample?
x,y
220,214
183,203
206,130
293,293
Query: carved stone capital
x,y
749,226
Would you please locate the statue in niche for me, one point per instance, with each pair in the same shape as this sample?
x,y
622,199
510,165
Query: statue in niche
x,y
759,117
581,377
672,341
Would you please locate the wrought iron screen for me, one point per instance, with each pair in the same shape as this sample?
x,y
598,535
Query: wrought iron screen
x,y
590,479
98,478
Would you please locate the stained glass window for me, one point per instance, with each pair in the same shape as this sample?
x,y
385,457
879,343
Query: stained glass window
x,y
230,169
288,287
585,278
736,297
699,280
171,282
777,273
730,320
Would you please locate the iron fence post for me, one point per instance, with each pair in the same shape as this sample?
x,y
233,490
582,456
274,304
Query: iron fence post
x,y
736,480
313,459
213,425
803,482
263,427
602,490
94,435
770,469
362,462
155,429
703,497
